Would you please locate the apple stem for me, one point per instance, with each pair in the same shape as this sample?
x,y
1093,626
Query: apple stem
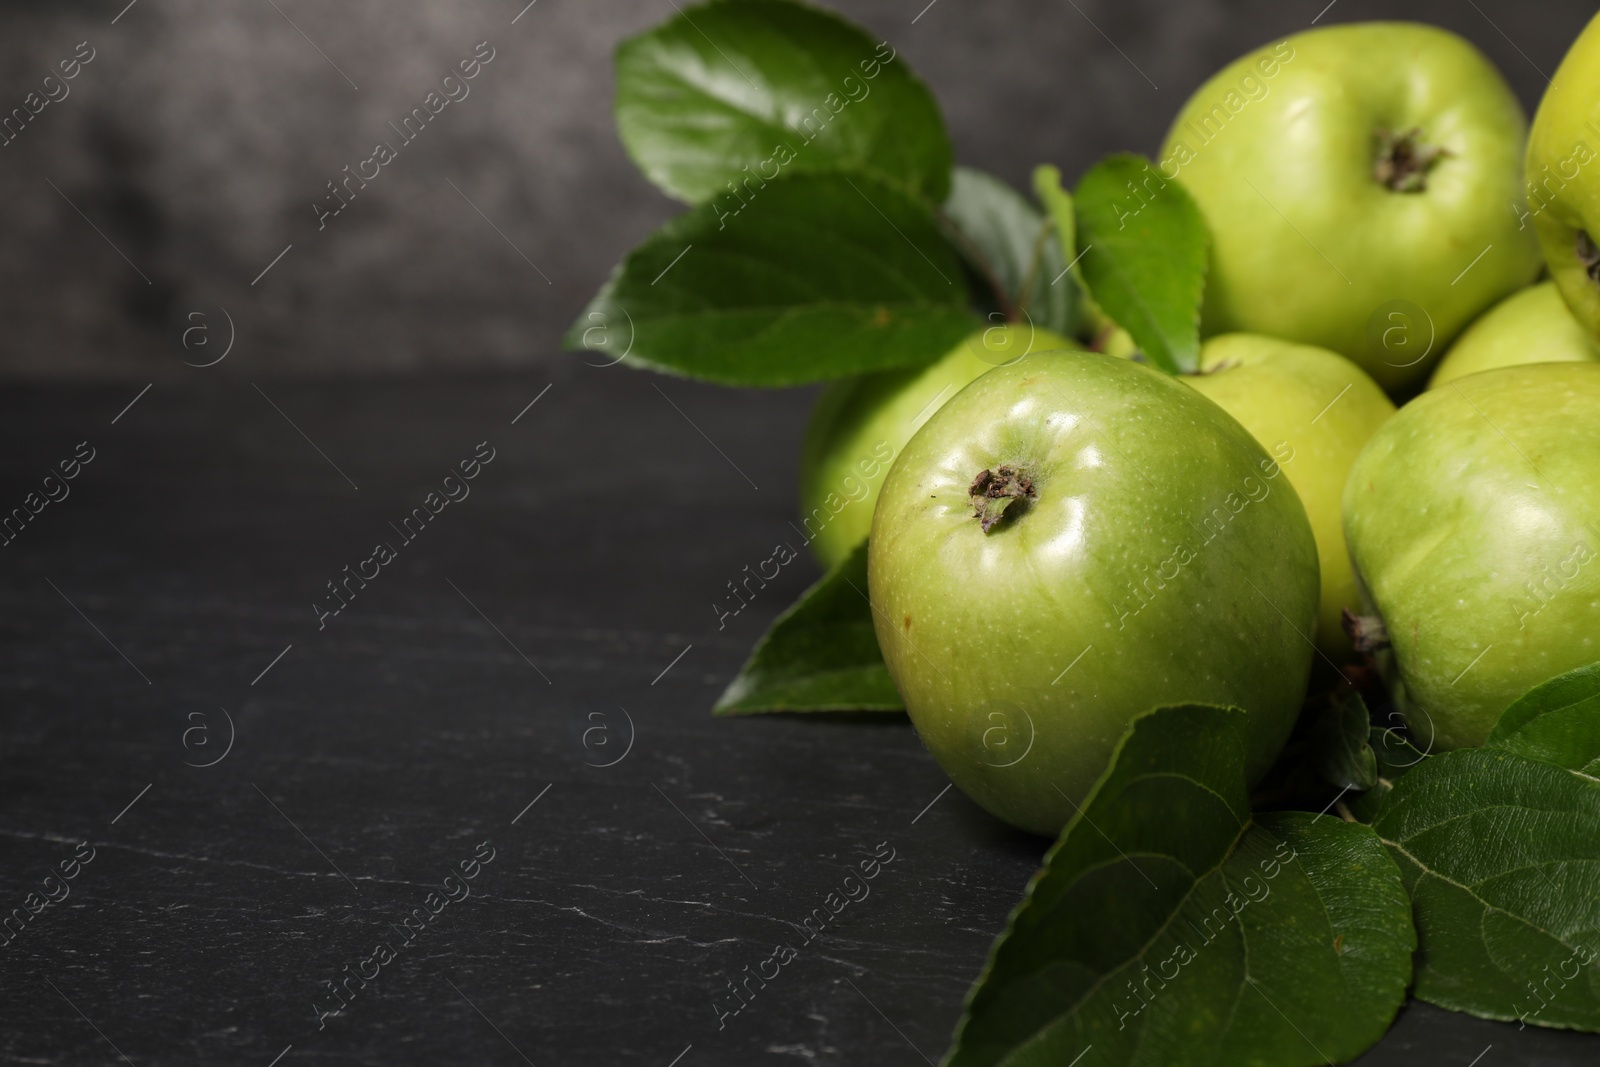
x,y
1366,632
1589,256
1404,161
994,491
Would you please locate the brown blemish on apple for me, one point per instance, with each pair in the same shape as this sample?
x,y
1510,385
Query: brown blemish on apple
x,y
881,316
1589,256
906,623
994,491
1404,161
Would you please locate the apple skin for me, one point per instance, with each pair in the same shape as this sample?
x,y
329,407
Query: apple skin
x,y
1307,243
1563,168
1533,326
1313,410
1024,652
1471,520
860,424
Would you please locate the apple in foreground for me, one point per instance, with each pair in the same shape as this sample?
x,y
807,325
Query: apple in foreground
x,y
1350,174
1563,194
859,425
1073,540
1533,326
1471,517
1312,410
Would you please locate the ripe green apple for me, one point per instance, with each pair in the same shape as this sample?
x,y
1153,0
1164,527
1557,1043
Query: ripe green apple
x,y
1313,410
1563,194
859,425
1472,517
1352,174
1069,542
1533,326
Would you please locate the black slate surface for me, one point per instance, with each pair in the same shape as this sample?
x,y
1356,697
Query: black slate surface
x,y
534,671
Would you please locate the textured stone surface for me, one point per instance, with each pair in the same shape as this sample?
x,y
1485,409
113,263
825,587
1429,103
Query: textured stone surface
x,y
383,747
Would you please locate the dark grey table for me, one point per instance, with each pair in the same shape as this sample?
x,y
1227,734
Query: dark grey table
x,y
532,669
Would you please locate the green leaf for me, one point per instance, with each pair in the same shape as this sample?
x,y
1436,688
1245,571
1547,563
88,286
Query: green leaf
x,y
1394,751
820,655
1558,722
743,90
1144,245
1013,248
1500,855
1342,749
1169,928
1394,755
821,276
1500,850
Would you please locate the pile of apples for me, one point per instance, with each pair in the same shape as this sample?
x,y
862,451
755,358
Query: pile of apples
x,y
1068,537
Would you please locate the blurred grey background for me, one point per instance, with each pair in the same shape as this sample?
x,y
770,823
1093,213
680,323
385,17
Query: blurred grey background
x,y
189,151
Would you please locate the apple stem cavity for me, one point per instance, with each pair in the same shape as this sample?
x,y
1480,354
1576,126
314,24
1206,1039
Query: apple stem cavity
x,y
993,492
1404,161
1366,632
1589,256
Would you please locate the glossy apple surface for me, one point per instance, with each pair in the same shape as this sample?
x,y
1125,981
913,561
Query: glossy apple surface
x,y
1312,410
1533,326
859,425
1471,519
1563,169
1141,550
1352,176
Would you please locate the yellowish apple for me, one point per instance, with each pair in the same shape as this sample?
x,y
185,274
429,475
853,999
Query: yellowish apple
x,y
1313,410
1563,169
1533,326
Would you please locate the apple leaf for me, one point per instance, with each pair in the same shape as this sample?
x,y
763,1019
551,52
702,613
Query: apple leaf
x,y
1144,245
820,655
1013,248
1394,751
743,90
1500,849
1557,722
1171,927
1393,755
821,276
1342,744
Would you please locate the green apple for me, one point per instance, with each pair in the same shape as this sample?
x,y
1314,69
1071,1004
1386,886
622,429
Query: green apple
x,y
1533,326
1313,410
1356,180
1069,542
1472,517
859,425
1563,193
